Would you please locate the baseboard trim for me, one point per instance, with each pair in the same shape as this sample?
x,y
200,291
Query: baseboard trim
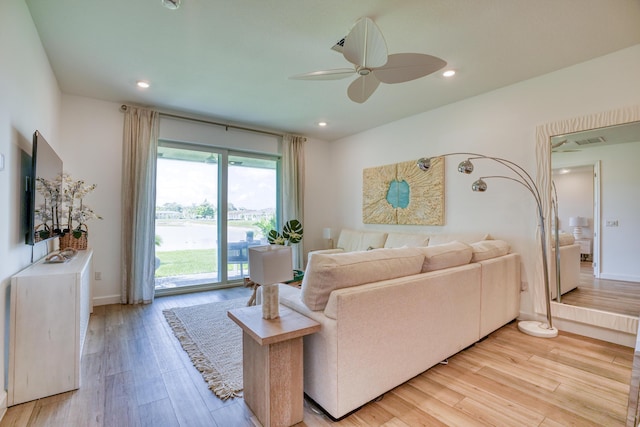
x,y
3,404
106,300
619,277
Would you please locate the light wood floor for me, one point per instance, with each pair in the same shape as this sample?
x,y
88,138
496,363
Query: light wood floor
x,y
134,373
608,295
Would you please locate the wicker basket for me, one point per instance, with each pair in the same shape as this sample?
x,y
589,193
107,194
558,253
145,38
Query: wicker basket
x,y
37,237
67,240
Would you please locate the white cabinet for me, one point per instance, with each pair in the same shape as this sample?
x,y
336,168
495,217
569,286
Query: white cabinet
x,y
49,317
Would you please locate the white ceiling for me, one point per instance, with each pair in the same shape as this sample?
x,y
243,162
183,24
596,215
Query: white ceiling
x,y
230,60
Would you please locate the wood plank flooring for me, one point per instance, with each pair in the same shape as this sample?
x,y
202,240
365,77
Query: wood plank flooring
x,y
134,373
608,295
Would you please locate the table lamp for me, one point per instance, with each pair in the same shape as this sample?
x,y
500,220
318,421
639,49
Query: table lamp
x,y
327,235
577,222
269,265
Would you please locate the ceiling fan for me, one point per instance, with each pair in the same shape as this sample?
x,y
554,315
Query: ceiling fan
x,y
556,147
366,49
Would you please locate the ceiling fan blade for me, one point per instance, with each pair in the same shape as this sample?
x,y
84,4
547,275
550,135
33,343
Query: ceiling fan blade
x,y
403,67
558,144
362,88
364,46
338,73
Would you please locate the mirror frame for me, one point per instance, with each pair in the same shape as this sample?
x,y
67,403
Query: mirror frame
x,y
544,132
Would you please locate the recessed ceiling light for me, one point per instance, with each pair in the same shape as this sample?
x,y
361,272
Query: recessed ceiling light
x,y
322,124
142,84
449,73
171,4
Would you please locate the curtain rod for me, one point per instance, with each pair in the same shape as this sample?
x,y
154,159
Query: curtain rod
x,y
124,108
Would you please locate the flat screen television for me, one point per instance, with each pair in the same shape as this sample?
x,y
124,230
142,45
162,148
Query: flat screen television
x,y
46,165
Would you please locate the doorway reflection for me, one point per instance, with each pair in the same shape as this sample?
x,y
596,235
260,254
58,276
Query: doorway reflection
x,y
608,199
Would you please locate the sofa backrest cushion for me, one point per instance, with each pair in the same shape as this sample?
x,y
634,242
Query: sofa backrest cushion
x,y
487,249
565,239
445,255
356,240
399,240
326,272
438,239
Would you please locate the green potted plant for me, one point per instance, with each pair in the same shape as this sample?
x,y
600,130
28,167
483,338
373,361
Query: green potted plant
x,y
291,233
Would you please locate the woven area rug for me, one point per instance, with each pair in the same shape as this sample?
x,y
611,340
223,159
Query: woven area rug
x,y
213,342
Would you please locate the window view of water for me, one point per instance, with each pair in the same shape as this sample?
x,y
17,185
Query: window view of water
x,y
187,215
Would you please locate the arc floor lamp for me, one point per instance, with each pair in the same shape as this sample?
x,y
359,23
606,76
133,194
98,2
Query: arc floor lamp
x,y
522,177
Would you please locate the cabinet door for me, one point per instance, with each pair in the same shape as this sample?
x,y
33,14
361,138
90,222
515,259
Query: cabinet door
x,y
44,336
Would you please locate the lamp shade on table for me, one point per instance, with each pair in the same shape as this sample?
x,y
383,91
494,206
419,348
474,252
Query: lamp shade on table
x,y
269,265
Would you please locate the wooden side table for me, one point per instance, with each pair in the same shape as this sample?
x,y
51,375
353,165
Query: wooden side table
x,y
272,363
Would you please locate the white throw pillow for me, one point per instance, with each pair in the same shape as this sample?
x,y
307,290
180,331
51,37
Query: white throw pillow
x,y
438,239
487,249
445,255
326,272
399,240
356,240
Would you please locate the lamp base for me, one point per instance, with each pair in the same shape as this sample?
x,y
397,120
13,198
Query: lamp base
x,y
270,301
537,329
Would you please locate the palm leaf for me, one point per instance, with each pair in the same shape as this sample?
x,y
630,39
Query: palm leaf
x,y
292,231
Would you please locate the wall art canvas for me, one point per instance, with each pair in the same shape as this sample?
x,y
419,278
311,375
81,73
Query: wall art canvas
x,y
402,193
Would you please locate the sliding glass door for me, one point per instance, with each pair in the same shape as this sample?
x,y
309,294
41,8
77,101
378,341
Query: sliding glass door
x,y
251,210
211,206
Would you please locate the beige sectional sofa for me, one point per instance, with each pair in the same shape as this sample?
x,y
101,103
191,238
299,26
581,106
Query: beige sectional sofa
x,y
389,314
569,265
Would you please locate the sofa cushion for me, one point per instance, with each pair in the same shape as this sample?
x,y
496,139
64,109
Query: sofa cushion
x,y
438,239
487,249
399,240
445,255
355,240
326,272
564,240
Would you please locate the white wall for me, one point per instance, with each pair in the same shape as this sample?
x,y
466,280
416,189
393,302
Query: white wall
x,y
29,100
501,123
91,135
575,198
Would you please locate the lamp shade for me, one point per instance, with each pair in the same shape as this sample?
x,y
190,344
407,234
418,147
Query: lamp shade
x,y
270,264
578,221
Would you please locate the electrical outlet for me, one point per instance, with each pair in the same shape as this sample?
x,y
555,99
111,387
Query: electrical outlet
x,y
612,223
98,275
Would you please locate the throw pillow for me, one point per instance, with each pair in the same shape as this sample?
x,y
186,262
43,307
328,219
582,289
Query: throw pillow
x,y
327,272
400,240
445,255
487,249
438,239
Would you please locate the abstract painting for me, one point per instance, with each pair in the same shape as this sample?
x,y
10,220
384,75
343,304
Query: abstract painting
x,y
402,193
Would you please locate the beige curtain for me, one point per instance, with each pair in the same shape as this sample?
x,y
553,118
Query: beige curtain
x,y
140,148
293,171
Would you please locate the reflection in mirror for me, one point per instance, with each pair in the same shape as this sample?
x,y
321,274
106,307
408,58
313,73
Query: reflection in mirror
x,y
595,174
587,321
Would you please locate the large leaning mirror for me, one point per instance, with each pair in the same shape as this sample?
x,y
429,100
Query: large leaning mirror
x,y
599,204
594,175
